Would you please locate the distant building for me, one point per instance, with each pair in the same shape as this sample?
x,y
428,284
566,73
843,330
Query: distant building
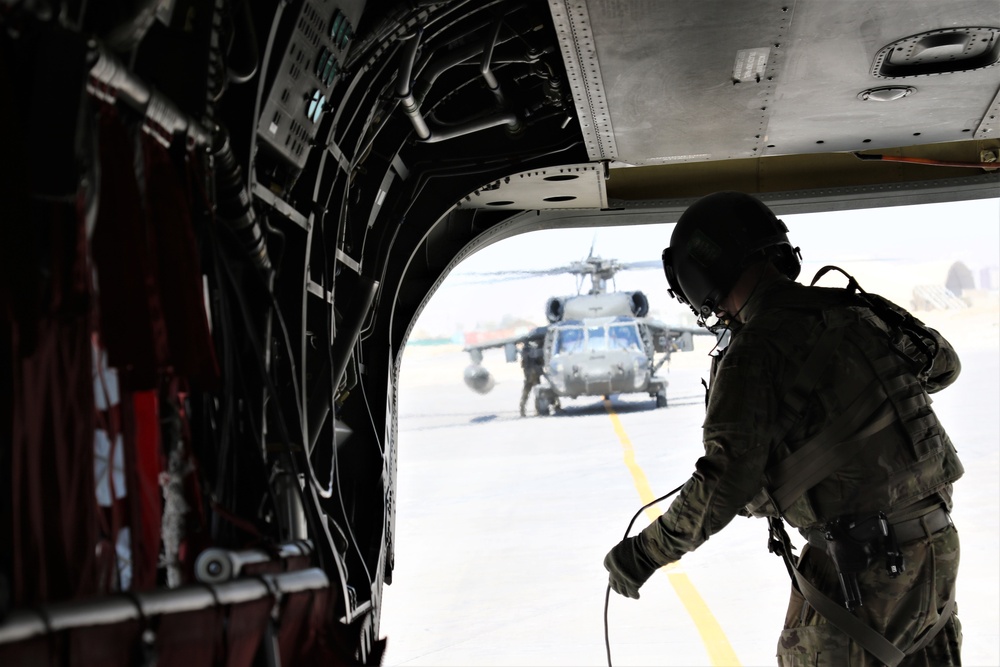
x,y
959,279
989,278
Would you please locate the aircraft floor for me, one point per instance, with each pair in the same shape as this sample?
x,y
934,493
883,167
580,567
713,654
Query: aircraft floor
x,y
503,524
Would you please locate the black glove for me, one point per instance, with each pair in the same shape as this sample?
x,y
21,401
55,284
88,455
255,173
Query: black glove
x,y
629,566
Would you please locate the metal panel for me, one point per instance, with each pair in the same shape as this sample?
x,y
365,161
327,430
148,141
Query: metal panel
x,y
991,120
308,70
569,186
579,51
689,81
684,81
831,49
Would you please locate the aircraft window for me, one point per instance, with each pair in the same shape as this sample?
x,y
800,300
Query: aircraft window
x,y
623,337
569,340
596,339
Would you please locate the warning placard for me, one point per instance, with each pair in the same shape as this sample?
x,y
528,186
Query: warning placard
x,y
751,64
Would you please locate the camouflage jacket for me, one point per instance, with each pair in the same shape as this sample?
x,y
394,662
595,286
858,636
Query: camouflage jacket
x,y
749,427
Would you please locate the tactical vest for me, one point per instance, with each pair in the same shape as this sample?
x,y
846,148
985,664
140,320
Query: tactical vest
x,y
856,432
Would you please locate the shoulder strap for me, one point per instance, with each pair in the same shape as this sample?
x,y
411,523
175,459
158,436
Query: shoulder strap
x,y
832,447
899,321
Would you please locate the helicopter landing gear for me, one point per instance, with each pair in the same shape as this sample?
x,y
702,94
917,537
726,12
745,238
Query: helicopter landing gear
x,y
660,393
661,398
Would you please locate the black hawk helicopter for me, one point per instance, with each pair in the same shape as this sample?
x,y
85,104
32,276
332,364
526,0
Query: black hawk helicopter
x,y
597,343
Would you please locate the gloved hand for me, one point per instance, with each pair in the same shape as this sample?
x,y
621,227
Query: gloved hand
x,y
629,566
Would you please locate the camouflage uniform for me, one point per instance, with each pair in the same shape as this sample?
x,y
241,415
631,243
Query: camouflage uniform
x,y
531,363
904,469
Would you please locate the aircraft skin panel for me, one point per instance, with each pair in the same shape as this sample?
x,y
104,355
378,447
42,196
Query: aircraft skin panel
x,y
990,125
660,60
831,50
688,82
580,57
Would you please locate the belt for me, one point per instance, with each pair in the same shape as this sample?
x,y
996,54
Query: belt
x,y
910,530
936,520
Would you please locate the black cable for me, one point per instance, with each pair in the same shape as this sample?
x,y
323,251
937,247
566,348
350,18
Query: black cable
x,y
607,593
314,517
334,461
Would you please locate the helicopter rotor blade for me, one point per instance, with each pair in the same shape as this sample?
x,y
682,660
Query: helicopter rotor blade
x,y
592,267
644,264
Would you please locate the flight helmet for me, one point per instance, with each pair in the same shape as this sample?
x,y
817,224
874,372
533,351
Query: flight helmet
x,y
715,240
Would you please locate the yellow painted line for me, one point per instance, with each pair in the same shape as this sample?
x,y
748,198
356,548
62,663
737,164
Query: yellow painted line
x,y
720,651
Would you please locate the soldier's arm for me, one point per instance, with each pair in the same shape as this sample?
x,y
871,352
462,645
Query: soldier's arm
x,y
729,474
946,366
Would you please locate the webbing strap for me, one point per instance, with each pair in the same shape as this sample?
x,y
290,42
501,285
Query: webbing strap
x,y
860,632
832,447
853,416
949,609
855,628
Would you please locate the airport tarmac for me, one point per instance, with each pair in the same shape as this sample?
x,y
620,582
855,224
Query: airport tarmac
x,y
503,522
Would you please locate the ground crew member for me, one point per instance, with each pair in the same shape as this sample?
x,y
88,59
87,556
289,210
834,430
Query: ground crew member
x,y
532,363
818,415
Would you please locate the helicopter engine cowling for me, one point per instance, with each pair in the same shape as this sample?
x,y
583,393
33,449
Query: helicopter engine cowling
x,y
639,304
478,379
554,308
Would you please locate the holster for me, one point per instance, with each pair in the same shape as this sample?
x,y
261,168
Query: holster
x,y
853,544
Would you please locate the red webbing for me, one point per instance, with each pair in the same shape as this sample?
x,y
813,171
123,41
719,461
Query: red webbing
x,y
54,513
114,645
245,630
191,353
293,628
34,652
190,639
131,319
144,460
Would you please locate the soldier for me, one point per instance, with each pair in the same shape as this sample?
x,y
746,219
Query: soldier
x,y
818,414
532,361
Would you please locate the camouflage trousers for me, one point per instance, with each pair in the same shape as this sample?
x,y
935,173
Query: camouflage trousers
x,y
530,380
901,609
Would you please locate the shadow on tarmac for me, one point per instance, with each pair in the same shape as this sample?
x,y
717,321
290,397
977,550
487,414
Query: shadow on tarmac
x,y
595,407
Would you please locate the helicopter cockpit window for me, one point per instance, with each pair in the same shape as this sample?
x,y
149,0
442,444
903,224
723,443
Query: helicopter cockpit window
x,y
624,337
596,339
570,340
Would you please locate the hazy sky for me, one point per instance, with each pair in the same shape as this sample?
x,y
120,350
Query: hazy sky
x,y
963,231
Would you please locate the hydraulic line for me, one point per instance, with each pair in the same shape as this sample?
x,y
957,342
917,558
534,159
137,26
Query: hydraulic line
x,y
404,91
509,119
141,97
411,103
321,398
484,66
244,56
234,205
